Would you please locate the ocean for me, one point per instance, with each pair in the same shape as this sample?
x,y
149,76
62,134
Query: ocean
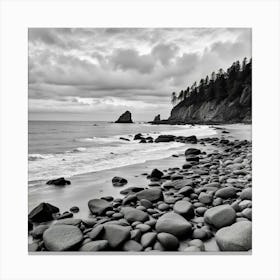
x,y
67,148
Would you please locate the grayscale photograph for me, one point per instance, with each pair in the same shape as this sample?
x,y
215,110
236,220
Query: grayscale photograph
x,y
139,141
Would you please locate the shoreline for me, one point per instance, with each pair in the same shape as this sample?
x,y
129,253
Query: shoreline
x,y
98,184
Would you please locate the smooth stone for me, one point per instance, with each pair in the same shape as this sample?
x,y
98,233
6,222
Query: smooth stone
x,y
152,222
75,209
247,213
143,227
220,216
158,247
184,208
205,198
200,210
65,215
148,239
130,190
131,214
99,206
168,241
156,173
192,249
163,207
244,204
192,151
119,181
132,246
68,221
146,203
93,246
198,243
115,234
62,237
199,234
217,201
173,223
38,231
227,192
96,232
129,198
135,234
153,194
33,247
117,215
187,190
237,237
246,194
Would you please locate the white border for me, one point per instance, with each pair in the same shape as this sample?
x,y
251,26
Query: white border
x,y
17,16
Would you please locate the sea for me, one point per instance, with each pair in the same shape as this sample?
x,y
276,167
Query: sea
x,y
68,148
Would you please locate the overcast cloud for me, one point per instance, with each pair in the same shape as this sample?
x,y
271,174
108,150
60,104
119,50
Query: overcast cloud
x,y
97,74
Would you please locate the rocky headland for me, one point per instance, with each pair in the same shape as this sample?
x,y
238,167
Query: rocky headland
x,y
125,118
203,206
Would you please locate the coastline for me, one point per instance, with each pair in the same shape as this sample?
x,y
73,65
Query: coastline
x,y
99,184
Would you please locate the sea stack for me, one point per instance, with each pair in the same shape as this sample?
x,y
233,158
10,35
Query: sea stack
x,y
125,118
156,119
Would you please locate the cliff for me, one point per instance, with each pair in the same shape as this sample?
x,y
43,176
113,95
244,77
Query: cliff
x,y
214,111
225,98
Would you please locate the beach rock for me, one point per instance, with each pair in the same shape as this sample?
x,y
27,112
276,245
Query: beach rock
x,y
42,213
220,216
59,182
125,118
157,246
62,238
168,241
119,181
130,198
163,207
246,194
191,139
33,247
135,234
131,190
227,192
148,239
237,237
146,203
153,194
199,234
192,151
165,138
205,198
247,213
65,215
192,249
156,174
68,221
131,214
99,206
143,140
30,225
37,232
186,191
125,139
198,243
116,234
173,223
74,209
143,227
132,246
96,232
156,119
93,246
138,136
184,208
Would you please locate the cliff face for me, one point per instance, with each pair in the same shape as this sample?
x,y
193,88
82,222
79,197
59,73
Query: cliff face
x,y
224,111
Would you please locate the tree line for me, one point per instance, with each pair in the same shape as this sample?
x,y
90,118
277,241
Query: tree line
x,y
223,84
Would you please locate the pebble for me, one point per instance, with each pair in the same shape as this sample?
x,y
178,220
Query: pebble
x,y
168,241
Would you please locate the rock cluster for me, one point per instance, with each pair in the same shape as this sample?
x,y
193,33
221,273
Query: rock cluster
x,y
207,201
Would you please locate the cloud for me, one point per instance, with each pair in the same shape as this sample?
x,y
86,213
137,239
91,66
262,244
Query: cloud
x,y
117,68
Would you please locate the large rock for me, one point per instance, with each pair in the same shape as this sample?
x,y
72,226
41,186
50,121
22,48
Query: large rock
x,y
156,174
116,234
59,182
62,238
246,194
42,213
37,232
184,208
153,194
165,138
125,118
227,192
93,246
173,223
168,241
130,190
119,181
132,215
99,206
192,151
237,237
220,216
156,119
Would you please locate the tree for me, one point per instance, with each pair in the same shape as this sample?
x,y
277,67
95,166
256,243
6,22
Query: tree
x,y
181,95
207,80
173,98
244,62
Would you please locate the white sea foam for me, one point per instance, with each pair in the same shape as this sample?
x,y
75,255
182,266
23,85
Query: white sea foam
x,y
106,156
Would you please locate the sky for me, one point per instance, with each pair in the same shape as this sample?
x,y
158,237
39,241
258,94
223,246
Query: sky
x,y
97,74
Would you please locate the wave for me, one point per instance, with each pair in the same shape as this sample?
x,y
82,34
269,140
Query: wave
x,y
78,150
33,157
